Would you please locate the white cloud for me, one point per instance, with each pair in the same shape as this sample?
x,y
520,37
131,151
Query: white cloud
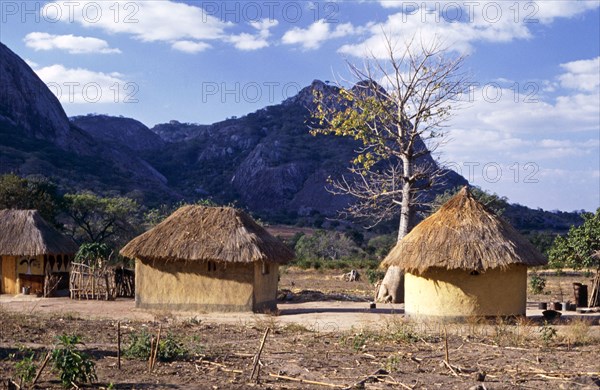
x,y
32,64
84,86
532,141
245,41
583,75
190,46
70,43
314,35
147,21
185,27
461,24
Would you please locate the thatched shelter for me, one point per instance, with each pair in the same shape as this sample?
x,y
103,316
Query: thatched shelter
x,y
208,259
464,261
30,249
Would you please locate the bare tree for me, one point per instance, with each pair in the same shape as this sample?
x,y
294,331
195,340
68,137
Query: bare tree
x,y
397,109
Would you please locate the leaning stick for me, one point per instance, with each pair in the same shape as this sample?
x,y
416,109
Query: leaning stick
x,y
257,356
37,376
156,347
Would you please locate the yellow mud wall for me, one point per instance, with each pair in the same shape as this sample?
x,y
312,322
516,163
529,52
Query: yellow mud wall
x,y
179,285
265,286
457,293
8,271
30,265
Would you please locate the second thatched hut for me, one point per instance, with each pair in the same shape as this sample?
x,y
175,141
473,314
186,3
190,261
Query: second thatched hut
x,y
464,261
207,259
31,251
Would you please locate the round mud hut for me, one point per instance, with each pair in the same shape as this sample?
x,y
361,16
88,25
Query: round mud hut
x,y
207,259
464,261
30,251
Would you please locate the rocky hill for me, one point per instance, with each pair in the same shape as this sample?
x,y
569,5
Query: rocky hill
x,y
36,137
265,161
122,131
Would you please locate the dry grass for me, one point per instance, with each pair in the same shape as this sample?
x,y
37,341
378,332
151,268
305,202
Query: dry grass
x,y
463,234
198,233
25,233
578,332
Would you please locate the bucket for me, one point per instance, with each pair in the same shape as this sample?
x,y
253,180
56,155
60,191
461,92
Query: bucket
x,y
557,306
25,290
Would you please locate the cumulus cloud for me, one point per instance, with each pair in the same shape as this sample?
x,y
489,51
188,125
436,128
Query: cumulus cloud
x,y
532,136
246,41
461,24
70,43
84,86
190,46
583,75
314,35
186,27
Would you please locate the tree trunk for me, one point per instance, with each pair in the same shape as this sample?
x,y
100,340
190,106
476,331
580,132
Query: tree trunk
x,y
391,288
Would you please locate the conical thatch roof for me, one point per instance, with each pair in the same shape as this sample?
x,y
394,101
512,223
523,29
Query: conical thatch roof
x,y
463,234
198,233
26,233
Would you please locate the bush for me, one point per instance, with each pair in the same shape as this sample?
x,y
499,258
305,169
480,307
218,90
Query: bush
x,y
73,366
139,345
170,348
375,275
25,368
537,283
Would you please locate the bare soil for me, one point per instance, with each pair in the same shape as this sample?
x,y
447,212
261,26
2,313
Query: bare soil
x,y
324,332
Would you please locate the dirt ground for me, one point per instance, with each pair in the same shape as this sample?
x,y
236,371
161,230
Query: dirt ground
x,y
324,333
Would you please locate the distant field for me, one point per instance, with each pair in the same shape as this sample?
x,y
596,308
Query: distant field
x,y
286,232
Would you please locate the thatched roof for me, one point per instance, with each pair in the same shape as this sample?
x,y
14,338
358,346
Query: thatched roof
x,y
463,234
198,233
26,233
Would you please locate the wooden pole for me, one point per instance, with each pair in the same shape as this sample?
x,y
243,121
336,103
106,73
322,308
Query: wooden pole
x,y
156,347
37,376
446,345
119,345
257,357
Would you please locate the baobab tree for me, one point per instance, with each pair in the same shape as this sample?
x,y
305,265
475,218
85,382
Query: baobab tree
x,y
398,110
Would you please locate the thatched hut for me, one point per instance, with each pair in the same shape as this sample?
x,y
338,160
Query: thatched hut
x,y
207,259
464,261
30,249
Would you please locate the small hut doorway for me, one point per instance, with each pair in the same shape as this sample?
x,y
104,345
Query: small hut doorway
x,y
8,283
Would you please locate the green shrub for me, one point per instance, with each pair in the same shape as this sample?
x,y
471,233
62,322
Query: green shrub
x,y
139,345
537,283
73,366
375,275
170,348
25,368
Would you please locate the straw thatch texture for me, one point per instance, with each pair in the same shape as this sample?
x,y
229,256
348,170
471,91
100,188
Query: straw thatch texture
x,y
198,233
25,233
463,234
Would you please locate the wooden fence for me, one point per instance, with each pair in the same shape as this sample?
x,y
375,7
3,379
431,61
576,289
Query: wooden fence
x,y
87,282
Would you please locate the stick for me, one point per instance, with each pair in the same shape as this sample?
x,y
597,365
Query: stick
x,y
151,354
300,380
450,368
156,347
119,344
446,345
257,357
37,376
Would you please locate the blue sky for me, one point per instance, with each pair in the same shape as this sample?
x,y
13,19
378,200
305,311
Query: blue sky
x,y
531,133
